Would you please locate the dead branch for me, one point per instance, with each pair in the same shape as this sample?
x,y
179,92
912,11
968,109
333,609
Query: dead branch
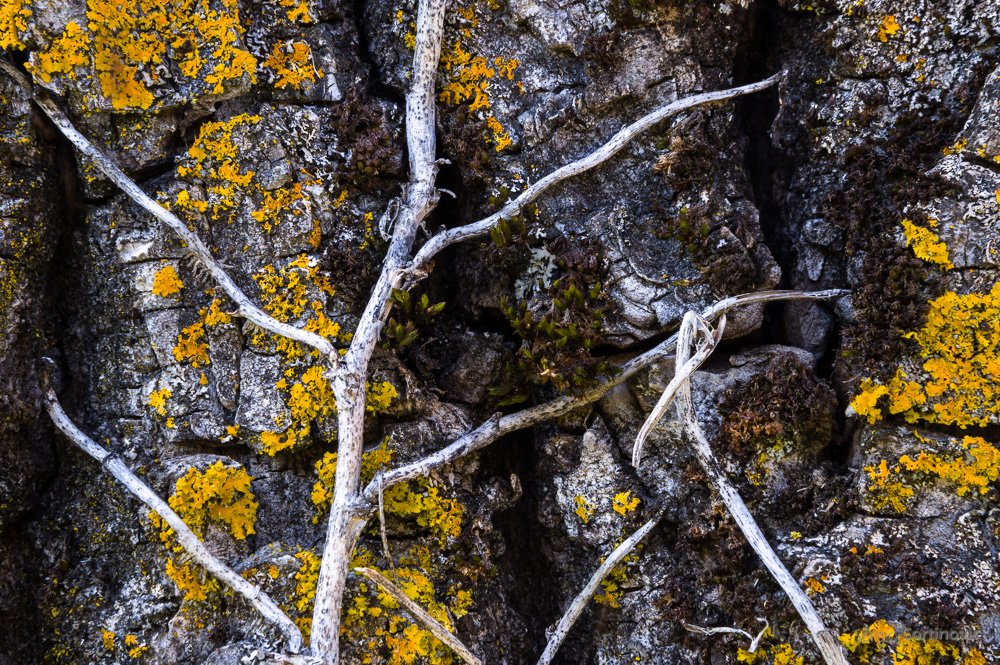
x,y
498,426
421,615
185,536
695,333
579,603
596,158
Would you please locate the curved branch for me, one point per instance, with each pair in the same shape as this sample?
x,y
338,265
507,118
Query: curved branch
x,y
498,425
599,156
185,536
825,640
579,603
420,614
190,239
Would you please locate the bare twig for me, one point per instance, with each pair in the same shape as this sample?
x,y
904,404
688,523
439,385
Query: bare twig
x,y
348,381
754,641
421,615
245,307
498,426
381,527
579,603
599,156
693,327
681,375
184,535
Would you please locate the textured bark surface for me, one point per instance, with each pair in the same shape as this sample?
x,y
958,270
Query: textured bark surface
x,y
274,128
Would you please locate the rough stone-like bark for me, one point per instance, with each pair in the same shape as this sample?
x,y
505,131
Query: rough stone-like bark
x,y
888,111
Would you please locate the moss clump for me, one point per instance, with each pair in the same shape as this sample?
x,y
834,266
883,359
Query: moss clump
x,y
559,330
785,404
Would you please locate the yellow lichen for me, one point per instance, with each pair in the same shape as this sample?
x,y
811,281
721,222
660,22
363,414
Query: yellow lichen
x,y
108,638
191,345
623,505
221,495
306,580
158,400
813,586
887,28
290,64
887,492
166,282
14,15
864,643
583,508
214,316
380,396
63,56
926,245
973,475
214,159
911,651
959,345
275,204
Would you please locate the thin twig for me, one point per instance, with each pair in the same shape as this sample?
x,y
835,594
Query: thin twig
x,y
245,307
599,156
579,603
182,532
825,640
498,426
381,525
421,615
681,375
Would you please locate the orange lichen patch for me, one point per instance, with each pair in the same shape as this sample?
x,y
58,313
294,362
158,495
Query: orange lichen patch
x,y
864,643
813,586
219,494
500,138
780,654
14,15
926,245
887,28
623,505
911,651
214,316
970,475
291,64
612,586
298,11
306,580
959,345
214,159
166,282
417,501
158,400
191,345
886,491
62,56
276,203
131,39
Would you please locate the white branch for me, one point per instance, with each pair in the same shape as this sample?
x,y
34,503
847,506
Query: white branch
x,y
825,640
498,426
580,602
420,614
190,239
184,535
345,523
599,156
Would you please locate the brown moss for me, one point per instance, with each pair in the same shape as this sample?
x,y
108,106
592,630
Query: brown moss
x,y
785,403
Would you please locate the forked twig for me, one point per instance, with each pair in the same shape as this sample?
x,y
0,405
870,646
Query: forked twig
x,y
185,536
421,615
579,603
693,326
